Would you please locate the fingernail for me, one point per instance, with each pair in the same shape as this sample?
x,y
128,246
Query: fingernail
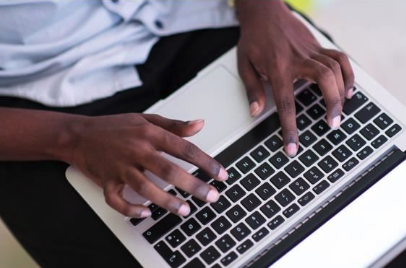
x,y
212,196
335,122
254,108
223,175
291,149
195,122
349,93
184,210
145,213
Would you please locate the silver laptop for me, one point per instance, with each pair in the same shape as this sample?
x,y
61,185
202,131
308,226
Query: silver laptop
x,y
338,203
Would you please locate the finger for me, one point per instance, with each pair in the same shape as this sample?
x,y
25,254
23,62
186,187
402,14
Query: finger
x,y
346,69
253,86
144,187
114,198
325,78
282,88
178,127
173,174
187,151
336,68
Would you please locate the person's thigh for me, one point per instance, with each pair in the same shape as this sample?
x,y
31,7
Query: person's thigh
x,y
37,203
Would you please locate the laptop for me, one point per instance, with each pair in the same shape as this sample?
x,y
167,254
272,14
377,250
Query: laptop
x,y
338,203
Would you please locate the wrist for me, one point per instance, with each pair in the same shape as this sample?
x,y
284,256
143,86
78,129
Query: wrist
x,y
251,9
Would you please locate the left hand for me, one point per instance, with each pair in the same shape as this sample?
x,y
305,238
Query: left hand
x,y
275,46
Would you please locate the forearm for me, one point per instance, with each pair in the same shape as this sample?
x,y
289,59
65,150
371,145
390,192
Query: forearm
x,y
36,135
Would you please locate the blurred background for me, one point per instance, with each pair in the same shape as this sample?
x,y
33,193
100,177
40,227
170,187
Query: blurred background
x,y
373,32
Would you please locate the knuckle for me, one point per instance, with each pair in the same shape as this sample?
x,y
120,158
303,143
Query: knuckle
x,y
335,66
148,130
341,57
334,103
285,105
170,171
190,150
142,188
324,73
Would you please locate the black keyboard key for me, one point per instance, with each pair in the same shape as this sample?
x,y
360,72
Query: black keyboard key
x,y
183,193
342,153
336,175
280,180
265,191
378,142
193,208
319,188
369,132
233,175
270,209
210,255
328,164
368,112
393,130
294,169
299,186
153,207
195,263
264,171
205,215
350,126
161,228
235,193
365,152
285,197
258,236
336,136
221,225
255,220
292,209
236,213
306,97
315,88
274,143
307,138
357,100
350,164
308,158
320,128
220,186
356,142
305,199
159,213
201,175
241,231
322,147
190,248
172,192
316,111
245,164
175,238
221,205
232,256
206,236
298,107
260,154
383,121
136,221
225,243
245,246
198,202
313,175
251,202
190,227
275,222
279,160
302,122
174,259
250,182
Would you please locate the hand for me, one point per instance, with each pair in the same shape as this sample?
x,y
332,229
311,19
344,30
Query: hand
x,y
115,150
275,46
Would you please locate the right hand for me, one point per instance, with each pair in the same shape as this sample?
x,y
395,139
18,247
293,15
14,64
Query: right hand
x,y
114,151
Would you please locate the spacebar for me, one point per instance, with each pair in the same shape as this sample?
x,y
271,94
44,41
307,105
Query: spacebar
x,y
249,140
161,228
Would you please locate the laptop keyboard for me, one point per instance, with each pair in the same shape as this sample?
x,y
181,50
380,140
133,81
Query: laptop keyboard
x,y
265,187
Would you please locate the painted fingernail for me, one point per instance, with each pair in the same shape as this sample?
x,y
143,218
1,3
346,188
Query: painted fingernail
x,y
254,108
291,149
145,213
184,210
223,175
349,93
195,122
212,196
335,122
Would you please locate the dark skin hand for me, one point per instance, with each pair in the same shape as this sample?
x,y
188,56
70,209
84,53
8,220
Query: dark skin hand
x,y
277,47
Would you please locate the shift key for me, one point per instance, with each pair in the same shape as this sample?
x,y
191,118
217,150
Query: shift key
x,y
161,228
